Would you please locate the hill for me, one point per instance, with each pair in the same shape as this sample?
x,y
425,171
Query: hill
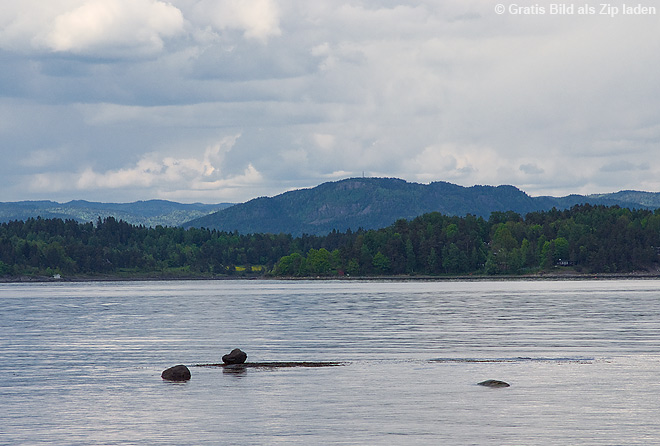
x,y
371,203
147,213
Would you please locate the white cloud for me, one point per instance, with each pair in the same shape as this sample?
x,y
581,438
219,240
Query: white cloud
x,y
163,176
122,23
163,172
257,19
449,163
248,178
91,27
324,140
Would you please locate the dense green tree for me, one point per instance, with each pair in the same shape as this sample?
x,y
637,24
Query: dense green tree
x,y
381,263
353,267
454,260
590,238
319,262
411,259
291,265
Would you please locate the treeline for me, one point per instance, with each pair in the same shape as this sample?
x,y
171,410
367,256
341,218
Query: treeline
x,y
55,246
589,239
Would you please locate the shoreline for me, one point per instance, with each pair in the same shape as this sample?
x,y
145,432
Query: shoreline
x,y
650,275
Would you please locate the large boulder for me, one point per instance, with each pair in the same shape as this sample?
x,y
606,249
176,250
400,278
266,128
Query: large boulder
x,y
177,373
236,356
493,383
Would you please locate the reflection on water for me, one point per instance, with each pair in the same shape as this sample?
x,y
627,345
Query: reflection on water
x,y
518,359
234,371
82,362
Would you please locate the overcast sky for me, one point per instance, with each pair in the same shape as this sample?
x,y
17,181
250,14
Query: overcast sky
x,y
227,100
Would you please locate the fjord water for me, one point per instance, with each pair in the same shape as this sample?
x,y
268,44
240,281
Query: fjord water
x,y
81,362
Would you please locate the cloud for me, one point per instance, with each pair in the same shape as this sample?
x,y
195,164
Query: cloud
x,y
324,141
449,162
152,170
133,96
257,19
531,169
91,27
623,166
45,158
163,176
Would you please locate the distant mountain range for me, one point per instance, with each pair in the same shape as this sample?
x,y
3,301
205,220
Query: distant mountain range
x,y
372,203
368,203
147,213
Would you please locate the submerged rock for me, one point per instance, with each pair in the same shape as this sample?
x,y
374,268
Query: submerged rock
x,y
494,383
273,365
177,373
236,356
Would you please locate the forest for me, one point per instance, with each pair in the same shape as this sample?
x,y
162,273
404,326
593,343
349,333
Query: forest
x,y
586,239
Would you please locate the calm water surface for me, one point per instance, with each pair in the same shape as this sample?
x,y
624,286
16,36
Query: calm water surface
x,y
81,363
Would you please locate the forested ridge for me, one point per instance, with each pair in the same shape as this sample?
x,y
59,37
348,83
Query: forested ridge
x,y
585,238
373,203
148,213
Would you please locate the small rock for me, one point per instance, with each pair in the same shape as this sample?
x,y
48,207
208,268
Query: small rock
x,y
236,356
177,373
494,383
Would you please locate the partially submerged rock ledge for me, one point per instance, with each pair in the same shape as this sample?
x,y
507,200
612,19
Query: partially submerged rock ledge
x,y
274,365
494,383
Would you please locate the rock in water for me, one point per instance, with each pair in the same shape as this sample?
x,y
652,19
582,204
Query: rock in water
x,y
177,373
236,356
494,383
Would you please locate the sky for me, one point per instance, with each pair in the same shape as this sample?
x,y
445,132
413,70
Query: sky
x,y
227,100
